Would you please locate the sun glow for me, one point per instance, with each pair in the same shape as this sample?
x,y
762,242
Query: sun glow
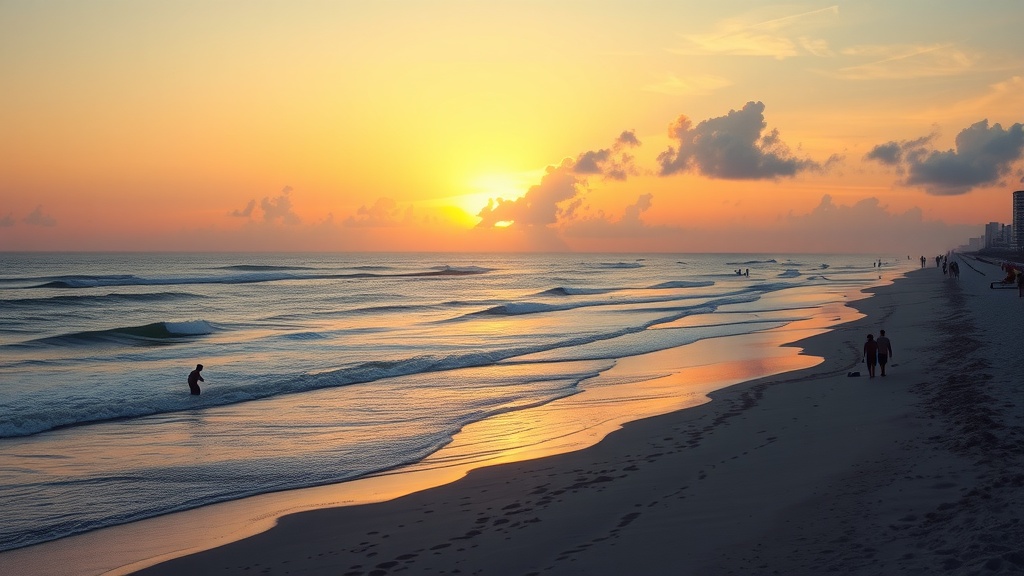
x,y
487,188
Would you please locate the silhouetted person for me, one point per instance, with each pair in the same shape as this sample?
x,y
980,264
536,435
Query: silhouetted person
x,y
194,378
922,261
884,349
871,355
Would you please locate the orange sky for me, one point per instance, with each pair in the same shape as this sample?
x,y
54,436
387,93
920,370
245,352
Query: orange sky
x,y
521,125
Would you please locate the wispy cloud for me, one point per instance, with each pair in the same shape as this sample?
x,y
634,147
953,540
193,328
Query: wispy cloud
x,y
888,62
755,35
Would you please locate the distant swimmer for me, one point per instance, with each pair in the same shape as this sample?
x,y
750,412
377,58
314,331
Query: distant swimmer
x,y
194,378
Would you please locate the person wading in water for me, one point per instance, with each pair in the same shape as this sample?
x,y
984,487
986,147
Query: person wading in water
x,y
194,378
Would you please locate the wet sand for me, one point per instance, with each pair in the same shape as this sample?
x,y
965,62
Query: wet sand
x,y
811,471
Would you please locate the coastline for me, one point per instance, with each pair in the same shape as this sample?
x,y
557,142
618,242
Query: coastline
x,y
807,470
747,473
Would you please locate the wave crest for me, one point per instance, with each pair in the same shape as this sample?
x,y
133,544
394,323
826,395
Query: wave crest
x,y
157,332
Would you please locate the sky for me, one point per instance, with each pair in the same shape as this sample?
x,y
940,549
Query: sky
x,y
868,126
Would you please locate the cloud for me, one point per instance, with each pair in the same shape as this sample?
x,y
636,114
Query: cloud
x,y
816,47
612,163
245,212
868,226
731,147
983,156
627,138
7,221
889,62
558,196
890,153
759,35
629,226
279,209
384,213
37,218
541,205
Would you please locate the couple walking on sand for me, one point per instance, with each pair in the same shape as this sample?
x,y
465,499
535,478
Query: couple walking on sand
x,y
877,352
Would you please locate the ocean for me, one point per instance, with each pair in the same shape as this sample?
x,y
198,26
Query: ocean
x,y
322,368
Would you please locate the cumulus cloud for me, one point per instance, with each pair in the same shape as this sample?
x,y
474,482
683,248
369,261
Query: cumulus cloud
x,y
384,213
245,212
542,204
559,195
984,154
612,163
628,138
732,147
279,208
868,226
890,153
630,225
37,218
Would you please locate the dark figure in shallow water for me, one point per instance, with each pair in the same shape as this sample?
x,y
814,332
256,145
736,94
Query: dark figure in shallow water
x,y
194,378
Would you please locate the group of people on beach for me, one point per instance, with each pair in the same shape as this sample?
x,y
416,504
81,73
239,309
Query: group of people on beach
x,y
877,352
1014,275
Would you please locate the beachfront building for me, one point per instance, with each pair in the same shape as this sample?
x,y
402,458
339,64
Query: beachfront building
x,y
993,234
1018,219
998,235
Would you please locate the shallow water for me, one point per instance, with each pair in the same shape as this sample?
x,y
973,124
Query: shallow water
x,y
324,368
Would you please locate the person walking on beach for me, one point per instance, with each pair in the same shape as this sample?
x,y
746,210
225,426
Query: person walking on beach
x,y
194,378
884,349
871,355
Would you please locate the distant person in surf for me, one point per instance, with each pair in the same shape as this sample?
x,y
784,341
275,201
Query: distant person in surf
x,y
871,355
884,349
194,378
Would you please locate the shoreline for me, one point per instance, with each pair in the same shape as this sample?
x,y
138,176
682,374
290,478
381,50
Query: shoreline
x,y
653,384
688,441
807,470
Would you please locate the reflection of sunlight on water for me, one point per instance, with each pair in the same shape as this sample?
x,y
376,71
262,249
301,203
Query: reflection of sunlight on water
x,y
637,387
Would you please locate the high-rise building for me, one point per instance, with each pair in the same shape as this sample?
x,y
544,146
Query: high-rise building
x,y
1018,219
993,234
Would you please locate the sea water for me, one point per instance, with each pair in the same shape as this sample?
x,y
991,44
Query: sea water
x,y
322,368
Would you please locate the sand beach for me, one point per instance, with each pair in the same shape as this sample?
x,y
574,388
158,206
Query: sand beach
x,y
813,471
